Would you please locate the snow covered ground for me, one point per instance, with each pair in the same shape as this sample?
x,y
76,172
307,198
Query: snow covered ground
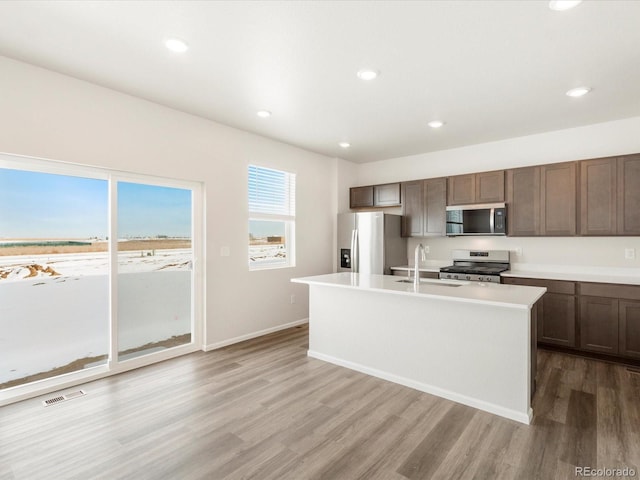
x,y
48,320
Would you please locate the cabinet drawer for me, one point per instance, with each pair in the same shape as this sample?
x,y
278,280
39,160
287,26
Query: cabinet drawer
x,y
610,290
553,286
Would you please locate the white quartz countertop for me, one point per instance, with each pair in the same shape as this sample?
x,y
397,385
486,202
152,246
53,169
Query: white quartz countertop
x,y
625,276
513,296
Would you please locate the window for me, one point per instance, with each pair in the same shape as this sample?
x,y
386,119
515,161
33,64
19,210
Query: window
x,y
272,210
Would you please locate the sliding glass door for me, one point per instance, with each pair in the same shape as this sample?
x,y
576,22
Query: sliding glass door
x,y
155,261
96,270
54,275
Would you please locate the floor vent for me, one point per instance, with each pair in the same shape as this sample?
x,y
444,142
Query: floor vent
x,y
63,398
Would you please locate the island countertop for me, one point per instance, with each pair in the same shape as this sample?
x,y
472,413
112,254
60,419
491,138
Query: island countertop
x,y
512,296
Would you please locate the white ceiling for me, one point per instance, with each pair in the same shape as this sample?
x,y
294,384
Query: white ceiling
x,y
490,69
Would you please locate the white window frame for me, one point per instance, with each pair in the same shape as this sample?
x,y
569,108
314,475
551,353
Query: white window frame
x,y
288,220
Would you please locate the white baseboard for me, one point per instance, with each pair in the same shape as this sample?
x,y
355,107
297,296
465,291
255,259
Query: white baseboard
x,y
431,389
249,336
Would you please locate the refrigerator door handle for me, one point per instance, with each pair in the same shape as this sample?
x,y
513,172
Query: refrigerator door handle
x,y
354,251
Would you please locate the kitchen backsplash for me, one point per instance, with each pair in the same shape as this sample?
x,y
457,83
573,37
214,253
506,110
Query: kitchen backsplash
x,y
553,251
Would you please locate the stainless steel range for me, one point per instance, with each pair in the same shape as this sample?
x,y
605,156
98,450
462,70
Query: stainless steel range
x,y
477,265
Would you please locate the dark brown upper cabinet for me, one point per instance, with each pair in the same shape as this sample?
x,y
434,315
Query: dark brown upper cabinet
x,y
361,197
598,196
386,195
461,189
610,196
412,209
629,195
541,200
558,199
424,207
435,207
490,187
484,187
523,201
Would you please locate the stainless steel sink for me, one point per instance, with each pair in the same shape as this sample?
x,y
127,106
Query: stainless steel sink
x,y
442,283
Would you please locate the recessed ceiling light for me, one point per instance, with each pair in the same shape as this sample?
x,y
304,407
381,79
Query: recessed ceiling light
x,y
176,45
435,124
578,92
344,144
367,74
561,5
263,113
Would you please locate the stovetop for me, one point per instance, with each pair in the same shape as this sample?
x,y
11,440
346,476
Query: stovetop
x,y
479,269
481,263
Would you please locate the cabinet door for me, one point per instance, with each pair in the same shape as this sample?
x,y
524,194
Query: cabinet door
x,y
598,192
461,189
490,187
386,195
629,195
599,324
557,319
435,207
558,199
523,201
629,328
360,197
412,209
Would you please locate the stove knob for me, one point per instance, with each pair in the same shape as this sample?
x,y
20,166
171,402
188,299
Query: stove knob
x,y
455,276
468,277
480,279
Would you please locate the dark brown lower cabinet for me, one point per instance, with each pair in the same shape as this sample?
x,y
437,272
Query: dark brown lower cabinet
x,y
557,319
599,324
629,315
601,318
556,310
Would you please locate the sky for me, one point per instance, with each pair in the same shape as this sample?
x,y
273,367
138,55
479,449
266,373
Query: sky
x,y
265,228
42,205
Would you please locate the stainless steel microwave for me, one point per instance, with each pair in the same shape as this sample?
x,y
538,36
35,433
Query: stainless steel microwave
x,y
484,219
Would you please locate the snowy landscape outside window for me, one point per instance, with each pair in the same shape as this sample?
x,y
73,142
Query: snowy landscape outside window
x,y
272,207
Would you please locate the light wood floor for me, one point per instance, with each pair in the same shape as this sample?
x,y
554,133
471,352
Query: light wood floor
x,y
263,410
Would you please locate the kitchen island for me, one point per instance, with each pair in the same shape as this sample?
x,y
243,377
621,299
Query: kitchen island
x,y
470,342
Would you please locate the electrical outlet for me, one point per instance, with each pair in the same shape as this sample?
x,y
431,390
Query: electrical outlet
x,y
426,249
225,251
518,251
293,299
630,253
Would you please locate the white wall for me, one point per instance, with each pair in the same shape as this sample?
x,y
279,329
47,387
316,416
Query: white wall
x,y
52,116
593,141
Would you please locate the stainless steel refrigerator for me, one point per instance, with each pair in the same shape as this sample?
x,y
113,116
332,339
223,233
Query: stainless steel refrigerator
x,y
370,242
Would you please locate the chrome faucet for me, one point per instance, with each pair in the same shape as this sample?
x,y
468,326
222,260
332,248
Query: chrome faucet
x,y
419,255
